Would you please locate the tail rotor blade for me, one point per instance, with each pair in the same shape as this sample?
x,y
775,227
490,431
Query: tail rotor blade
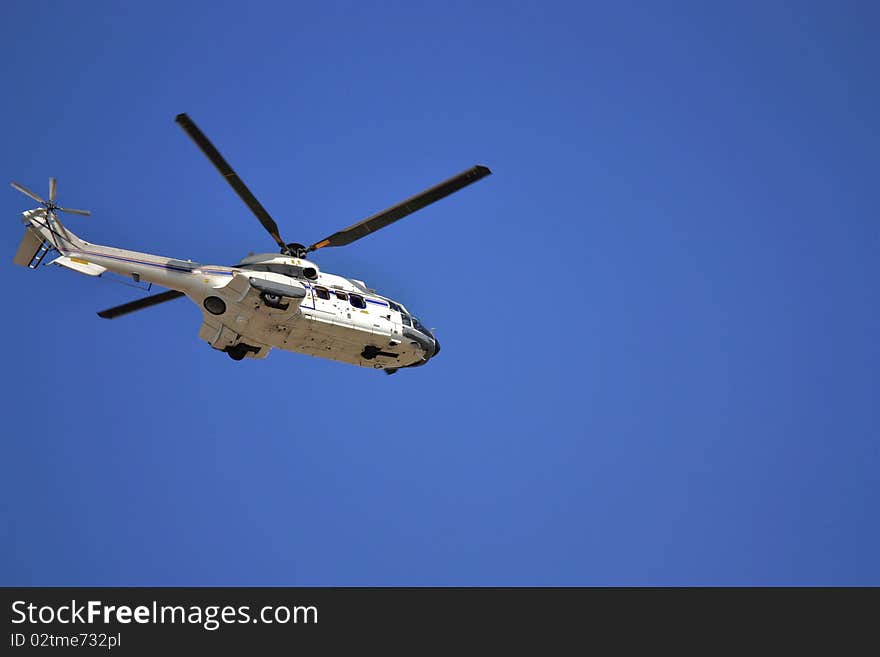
x,y
53,185
24,190
84,213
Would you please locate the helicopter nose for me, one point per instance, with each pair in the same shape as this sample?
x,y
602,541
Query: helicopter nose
x,y
436,347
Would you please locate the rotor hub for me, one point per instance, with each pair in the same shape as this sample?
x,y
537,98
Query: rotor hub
x,y
294,250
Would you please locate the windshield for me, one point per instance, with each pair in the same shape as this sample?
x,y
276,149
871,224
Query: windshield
x,y
419,326
409,320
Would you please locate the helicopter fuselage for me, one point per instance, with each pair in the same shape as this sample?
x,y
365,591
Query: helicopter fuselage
x,y
266,301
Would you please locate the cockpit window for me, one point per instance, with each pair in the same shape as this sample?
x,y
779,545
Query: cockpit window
x,y
342,296
419,326
405,318
357,301
322,293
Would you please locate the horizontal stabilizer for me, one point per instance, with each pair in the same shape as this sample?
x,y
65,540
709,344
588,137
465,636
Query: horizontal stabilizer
x,y
79,265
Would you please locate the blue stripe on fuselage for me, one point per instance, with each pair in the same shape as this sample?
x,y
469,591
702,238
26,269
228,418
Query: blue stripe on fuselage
x,y
154,264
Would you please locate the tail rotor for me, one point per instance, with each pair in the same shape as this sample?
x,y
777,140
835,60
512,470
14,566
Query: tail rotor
x,y
50,205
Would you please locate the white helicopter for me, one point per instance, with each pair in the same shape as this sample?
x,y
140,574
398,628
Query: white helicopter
x,y
266,300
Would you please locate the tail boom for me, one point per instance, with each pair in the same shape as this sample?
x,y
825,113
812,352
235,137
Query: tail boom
x,y
44,231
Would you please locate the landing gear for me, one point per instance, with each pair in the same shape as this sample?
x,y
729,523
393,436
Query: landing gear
x,y
371,351
240,350
237,352
273,300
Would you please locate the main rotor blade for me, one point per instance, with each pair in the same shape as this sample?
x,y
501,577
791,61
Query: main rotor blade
x,y
231,177
84,213
140,304
25,190
402,209
53,187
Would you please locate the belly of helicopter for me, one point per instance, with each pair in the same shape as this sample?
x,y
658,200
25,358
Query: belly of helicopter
x,y
363,338
329,329
328,337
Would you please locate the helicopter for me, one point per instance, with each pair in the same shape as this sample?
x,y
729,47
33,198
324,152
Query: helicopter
x,y
268,300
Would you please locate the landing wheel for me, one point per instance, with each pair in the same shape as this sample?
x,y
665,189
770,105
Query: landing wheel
x,y
237,352
273,300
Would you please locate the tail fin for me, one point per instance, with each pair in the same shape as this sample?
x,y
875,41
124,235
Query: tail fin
x,y
42,236
44,227
45,233
32,250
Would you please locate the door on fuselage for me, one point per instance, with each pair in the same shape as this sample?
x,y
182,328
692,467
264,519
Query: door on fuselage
x,y
362,316
341,309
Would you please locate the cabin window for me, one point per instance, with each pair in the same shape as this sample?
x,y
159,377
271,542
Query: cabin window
x,y
357,301
394,307
322,293
342,296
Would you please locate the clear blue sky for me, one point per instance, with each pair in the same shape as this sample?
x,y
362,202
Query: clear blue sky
x,y
659,316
